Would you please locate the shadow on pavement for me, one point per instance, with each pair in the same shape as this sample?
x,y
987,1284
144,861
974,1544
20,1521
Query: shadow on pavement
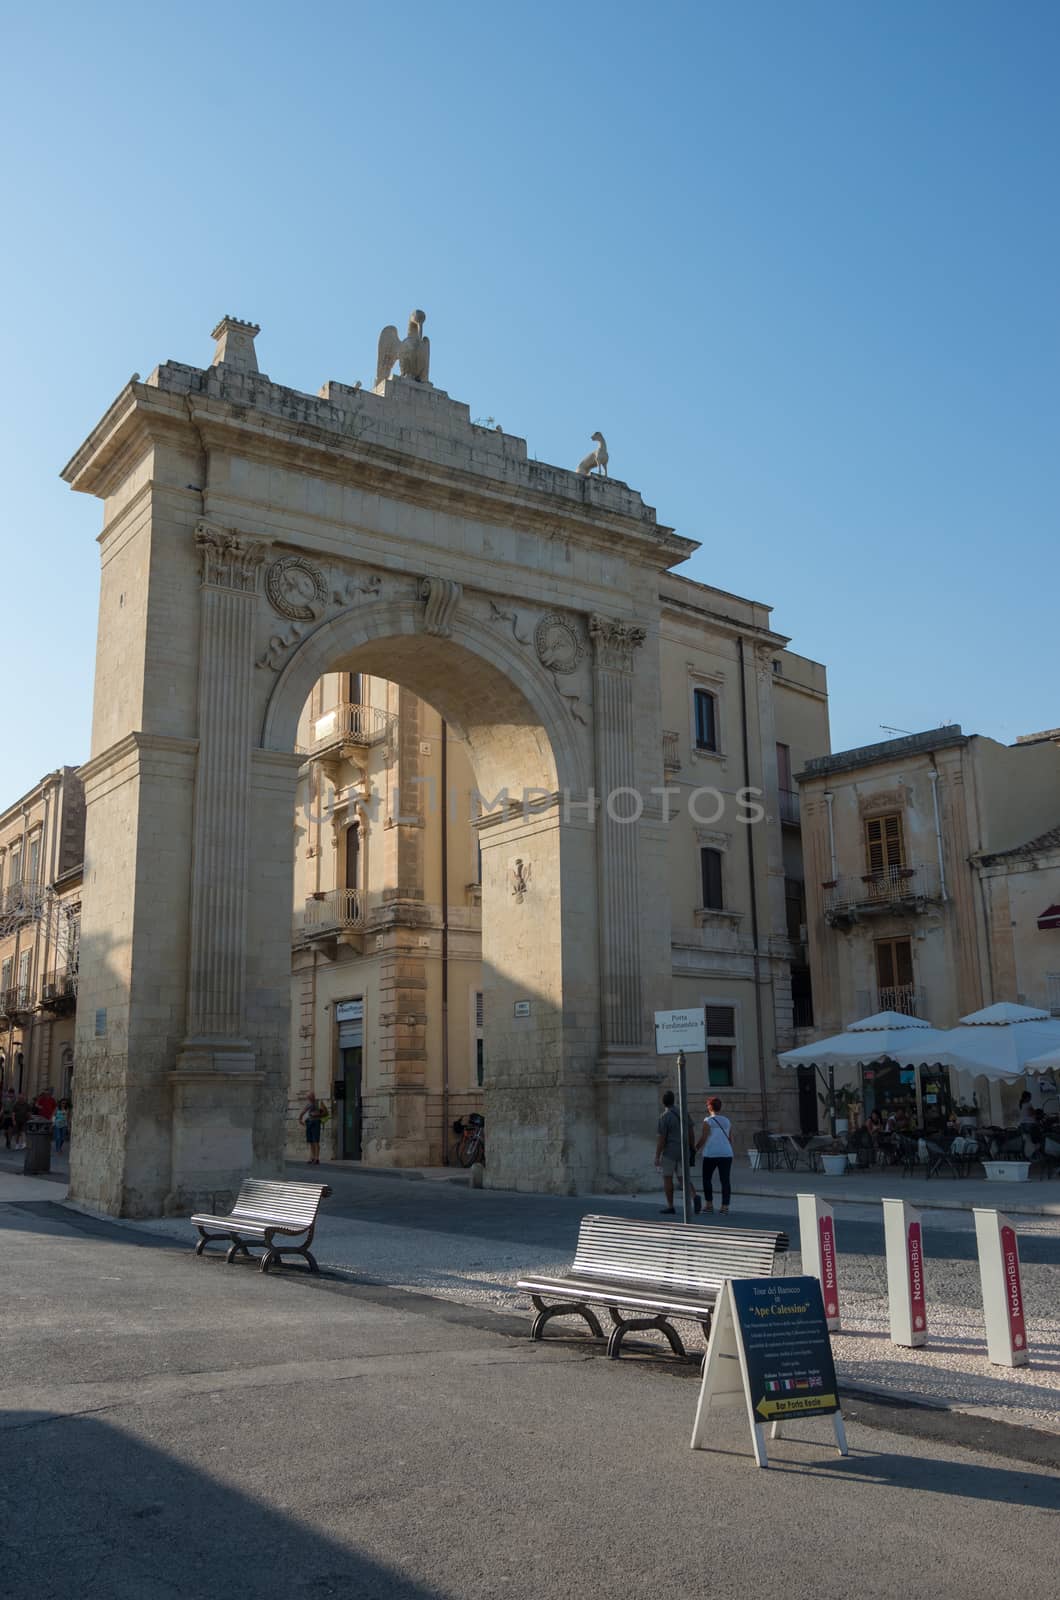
x,y
129,1522
965,1480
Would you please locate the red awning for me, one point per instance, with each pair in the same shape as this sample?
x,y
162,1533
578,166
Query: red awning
x,y
1050,918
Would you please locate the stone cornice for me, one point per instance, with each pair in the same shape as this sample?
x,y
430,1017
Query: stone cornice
x,y
271,422
130,745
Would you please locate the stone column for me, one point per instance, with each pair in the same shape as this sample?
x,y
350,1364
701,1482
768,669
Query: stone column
x,y
215,1081
618,866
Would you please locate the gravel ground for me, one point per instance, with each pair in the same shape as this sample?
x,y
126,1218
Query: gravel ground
x,y
952,1369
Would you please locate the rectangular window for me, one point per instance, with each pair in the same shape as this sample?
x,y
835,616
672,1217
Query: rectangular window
x,y
894,976
23,978
706,719
480,1063
784,768
719,1065
34,859
16,864
721,1046
353,856
883,844
710,871
5,976
355,689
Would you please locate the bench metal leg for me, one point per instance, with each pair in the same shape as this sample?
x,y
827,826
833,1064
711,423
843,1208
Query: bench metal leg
x,y
276,1253
638,1325
238,1248
575,1308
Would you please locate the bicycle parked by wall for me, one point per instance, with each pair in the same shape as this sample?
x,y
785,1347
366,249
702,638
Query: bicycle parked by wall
x,y
471,1136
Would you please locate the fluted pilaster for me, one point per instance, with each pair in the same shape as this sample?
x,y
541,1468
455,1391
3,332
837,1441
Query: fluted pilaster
x,y
614,644
217,964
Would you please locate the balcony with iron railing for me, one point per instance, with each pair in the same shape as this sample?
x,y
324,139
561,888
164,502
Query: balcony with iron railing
x,y
348,727
789,807
17,1001
671,752
21,902
895,890
59,991
333,911
905,998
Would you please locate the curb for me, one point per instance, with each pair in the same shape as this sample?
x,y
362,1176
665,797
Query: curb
x,y
1015,1209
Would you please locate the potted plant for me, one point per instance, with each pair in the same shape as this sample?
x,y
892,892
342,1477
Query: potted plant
x,y
847,1103
834,1159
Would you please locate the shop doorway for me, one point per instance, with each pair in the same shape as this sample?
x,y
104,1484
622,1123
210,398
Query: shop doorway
x,y
349,1090
807,1084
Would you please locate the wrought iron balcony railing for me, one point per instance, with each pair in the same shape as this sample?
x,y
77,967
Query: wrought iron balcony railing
x,y
892,889
22,902
348,725
671,743
333,910
16,1001
59,991
905,998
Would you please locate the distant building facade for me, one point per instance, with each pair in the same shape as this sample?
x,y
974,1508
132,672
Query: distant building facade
x,y
389,950
931,867
41,852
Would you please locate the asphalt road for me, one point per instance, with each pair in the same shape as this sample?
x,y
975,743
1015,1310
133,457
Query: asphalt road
x,y
543,1221
173,1426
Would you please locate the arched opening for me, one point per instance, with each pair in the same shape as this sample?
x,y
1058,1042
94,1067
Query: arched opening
x,y
436,849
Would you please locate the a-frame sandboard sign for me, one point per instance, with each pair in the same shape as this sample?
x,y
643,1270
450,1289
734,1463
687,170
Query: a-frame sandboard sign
x,y
769,1349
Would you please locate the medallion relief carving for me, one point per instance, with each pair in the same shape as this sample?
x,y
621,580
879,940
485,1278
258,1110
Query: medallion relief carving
x,y
296,588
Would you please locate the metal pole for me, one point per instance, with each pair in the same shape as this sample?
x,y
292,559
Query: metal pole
x,y
682,1111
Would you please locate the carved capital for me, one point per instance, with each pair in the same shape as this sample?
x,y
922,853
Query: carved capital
x,y
614,642
229,561
442,596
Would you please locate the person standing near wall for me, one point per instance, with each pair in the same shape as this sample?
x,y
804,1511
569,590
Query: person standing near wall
x,y
311,1117
716,1144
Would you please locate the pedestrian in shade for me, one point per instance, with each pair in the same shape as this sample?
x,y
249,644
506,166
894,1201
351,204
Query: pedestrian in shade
x,y
20,1111
668,1152
715,1141
311,1118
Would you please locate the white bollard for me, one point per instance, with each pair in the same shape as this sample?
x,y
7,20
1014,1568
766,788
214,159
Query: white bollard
x,y
906,1292
817,1244
999,1273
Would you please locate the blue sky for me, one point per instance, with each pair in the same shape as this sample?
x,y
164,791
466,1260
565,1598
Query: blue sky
x,y
799,262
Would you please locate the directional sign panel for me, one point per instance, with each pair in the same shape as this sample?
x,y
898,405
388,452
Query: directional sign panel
x,y
788,1354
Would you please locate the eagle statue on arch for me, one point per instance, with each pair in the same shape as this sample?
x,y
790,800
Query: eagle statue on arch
x,y
413,352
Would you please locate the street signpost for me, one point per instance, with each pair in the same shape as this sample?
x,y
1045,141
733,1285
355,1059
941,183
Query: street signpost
x,y
817,1244
681,1031
999,1273
769,1350
906,1291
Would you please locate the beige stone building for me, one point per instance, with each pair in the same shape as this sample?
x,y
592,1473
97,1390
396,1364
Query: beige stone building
x,y
263,549
932,886
41,849
387,1013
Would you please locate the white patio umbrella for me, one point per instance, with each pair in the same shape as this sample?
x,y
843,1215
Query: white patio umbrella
x,y
1001,1042
887,1036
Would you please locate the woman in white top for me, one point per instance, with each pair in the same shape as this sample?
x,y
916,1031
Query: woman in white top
x,y
716,1144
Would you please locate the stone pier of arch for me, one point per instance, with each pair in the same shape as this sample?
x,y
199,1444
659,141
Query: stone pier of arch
x,y
255,537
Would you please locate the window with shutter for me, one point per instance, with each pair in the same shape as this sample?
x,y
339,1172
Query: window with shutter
x,y
710,868
883,842
479,1009
705,708
721,1022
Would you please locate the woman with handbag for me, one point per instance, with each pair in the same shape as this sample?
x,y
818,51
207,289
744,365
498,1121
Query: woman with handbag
x,y
716,1144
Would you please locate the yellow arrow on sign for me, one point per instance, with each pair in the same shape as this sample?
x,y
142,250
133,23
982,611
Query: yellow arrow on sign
x,y
787,1408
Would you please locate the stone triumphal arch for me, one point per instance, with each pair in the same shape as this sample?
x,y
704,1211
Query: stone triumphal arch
x,y
255,537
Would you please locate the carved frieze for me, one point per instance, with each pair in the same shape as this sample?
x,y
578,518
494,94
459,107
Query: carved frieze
x,y
296,588
559,643
229,561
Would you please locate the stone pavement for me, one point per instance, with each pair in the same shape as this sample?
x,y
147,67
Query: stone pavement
x,y
176,1427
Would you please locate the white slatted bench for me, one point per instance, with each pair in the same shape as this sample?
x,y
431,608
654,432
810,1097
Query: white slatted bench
x,y
645,1274
262,1212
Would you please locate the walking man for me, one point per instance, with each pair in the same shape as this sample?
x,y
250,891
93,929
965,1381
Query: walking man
x,y
668,1153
